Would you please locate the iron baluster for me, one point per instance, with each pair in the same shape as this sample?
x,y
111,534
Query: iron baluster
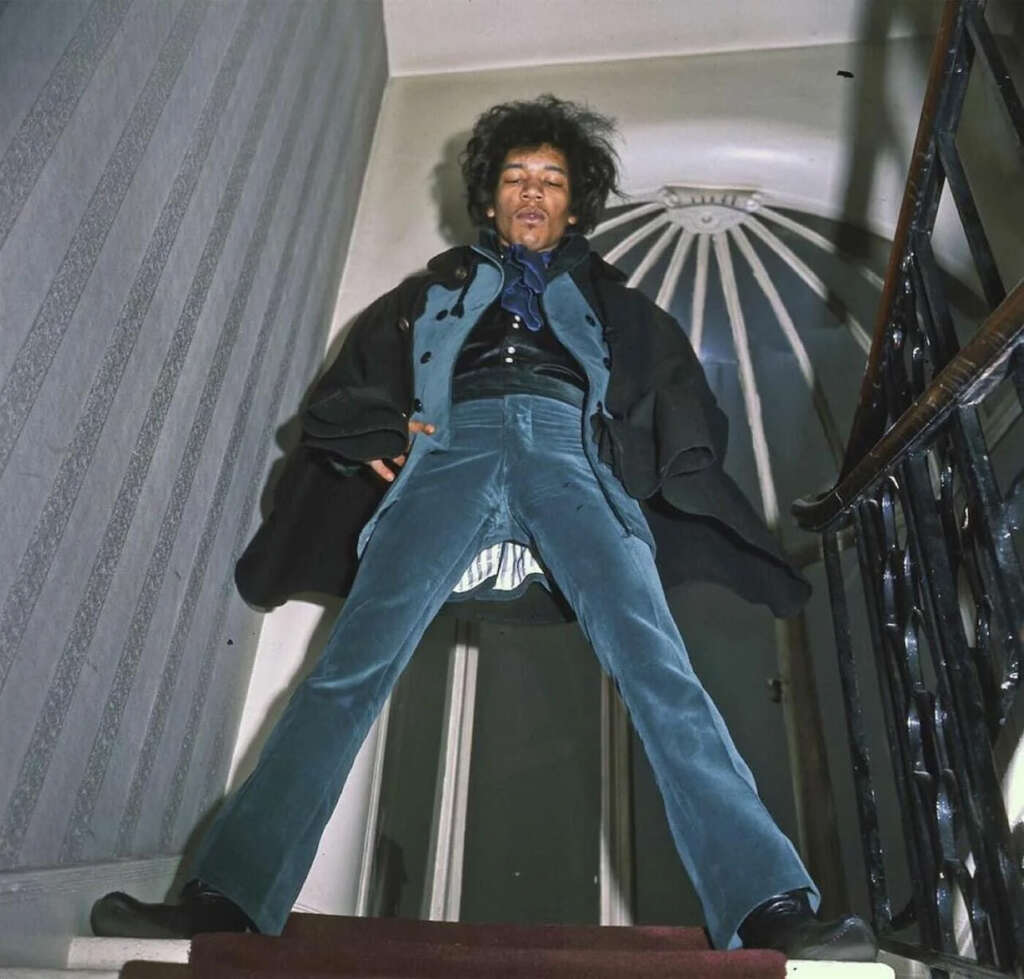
x,y
867,805
985,46
1000,566
966,737
944,342
879,596
977,240
924,354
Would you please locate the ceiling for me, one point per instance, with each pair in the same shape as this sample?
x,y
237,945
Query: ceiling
x,y
432,36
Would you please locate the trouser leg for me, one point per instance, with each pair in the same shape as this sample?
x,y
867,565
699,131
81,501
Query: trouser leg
x,y
734,853
259,848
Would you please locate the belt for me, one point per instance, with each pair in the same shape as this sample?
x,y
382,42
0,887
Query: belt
x,y
491,383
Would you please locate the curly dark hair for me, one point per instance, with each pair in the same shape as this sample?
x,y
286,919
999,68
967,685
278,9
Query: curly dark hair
x,y
584,136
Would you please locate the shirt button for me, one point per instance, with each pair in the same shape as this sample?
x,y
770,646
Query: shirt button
x,y
417,405
607,362
425,357
510,350
509,360
515,325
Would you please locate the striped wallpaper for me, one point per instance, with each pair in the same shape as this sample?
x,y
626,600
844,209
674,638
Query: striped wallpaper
x,y
178,180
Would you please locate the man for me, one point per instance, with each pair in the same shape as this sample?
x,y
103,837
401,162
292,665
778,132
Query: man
x,y
517,402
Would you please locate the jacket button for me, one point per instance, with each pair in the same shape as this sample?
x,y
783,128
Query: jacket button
x,y
403,324
425,357
461,272
417,405
608,362
590,319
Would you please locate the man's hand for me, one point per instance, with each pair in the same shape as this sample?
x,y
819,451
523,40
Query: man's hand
x,y
388,468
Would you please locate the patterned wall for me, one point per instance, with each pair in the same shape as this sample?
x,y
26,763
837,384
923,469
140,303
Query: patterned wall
x,y
178,180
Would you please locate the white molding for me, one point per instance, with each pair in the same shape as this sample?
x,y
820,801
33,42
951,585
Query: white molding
x,y
112,953
373,812
18,886
443,896
42,909
615,860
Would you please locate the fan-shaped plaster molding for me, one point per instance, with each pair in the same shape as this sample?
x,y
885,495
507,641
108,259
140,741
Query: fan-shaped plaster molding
x,y
679,218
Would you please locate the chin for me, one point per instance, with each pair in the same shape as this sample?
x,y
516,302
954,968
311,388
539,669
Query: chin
x,y
536,243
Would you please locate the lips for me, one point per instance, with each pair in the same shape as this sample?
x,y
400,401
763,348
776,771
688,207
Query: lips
x,y
530,214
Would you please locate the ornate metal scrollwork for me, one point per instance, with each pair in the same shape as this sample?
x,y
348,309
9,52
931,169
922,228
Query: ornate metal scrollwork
x,y
943,582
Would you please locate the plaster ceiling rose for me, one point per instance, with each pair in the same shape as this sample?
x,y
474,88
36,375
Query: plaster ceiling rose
x,y
718,256
702,211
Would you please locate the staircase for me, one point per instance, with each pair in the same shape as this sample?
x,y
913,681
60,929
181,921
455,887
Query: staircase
x,y
916,468
110,958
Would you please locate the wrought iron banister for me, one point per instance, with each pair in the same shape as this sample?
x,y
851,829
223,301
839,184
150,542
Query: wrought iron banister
x,y
965,380
942,581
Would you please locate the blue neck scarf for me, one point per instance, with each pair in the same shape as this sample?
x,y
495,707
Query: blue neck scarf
x,y
525,278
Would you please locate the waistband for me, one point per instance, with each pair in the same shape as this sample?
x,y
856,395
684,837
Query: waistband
x,y
497,383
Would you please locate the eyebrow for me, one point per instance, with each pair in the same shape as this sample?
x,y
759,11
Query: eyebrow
x,y
522,166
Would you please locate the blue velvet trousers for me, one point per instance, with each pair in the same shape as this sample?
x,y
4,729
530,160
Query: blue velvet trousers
x,y
516,470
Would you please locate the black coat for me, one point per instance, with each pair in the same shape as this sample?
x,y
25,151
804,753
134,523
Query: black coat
x,y
662,433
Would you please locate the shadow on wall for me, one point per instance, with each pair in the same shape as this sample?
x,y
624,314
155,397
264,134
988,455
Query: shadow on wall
x,y
317,642
871,128
449,195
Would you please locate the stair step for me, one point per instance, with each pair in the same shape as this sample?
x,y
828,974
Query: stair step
x,y
804,969
103,958
30,972
794,968
112,953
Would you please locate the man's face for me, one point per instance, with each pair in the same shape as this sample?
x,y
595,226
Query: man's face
x,y
531,201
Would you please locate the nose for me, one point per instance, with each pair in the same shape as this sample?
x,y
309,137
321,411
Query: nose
x,y
531,187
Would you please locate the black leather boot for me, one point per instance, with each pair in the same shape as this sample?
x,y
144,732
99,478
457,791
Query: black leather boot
x,y
786,923
200,909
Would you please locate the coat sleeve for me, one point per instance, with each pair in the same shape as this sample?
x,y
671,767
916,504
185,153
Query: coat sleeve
x,y
669,424
690,430
358,410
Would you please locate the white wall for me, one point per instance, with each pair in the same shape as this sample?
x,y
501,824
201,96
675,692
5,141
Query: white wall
x,y
779,120
481,34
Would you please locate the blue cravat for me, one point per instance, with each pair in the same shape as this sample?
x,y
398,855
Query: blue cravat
x,y
525,278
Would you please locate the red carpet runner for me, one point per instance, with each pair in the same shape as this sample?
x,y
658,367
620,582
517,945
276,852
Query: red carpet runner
x,y
321,946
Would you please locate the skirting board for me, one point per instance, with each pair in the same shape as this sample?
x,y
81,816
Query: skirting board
x,y
41,910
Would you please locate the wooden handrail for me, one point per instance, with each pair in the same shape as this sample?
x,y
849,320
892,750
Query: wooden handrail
x,y
869,418
964,380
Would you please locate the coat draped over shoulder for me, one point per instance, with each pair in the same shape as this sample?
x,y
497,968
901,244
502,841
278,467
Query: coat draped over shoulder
x,y
660,430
